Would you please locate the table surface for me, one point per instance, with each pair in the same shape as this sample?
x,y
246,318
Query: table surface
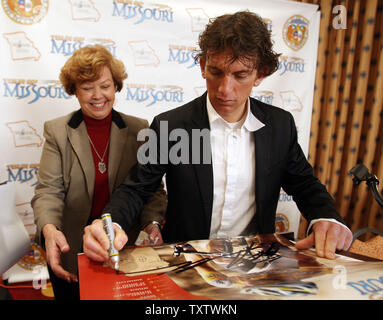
x,y
293,275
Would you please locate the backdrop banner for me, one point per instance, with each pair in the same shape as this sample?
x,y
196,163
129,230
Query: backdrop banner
x,y
156,41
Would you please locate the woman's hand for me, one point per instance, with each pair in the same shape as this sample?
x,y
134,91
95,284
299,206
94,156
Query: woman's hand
x,y
55,244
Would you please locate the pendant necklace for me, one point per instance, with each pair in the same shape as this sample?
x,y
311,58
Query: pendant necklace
x,y
101,163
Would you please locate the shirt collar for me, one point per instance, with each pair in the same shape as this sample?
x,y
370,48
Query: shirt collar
x,y
251,123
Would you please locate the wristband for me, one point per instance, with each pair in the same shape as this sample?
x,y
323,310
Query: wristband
x,y
156,223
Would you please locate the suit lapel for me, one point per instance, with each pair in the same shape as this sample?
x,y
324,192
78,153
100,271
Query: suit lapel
x,y
204,172
262,139
78,139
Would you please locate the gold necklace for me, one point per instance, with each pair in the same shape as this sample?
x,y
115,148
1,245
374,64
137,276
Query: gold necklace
x,y
101,163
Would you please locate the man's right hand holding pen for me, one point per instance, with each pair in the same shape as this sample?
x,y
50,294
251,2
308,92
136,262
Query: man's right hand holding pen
x,y
96,242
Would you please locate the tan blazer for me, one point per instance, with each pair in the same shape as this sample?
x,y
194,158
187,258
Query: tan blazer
x,y
66,177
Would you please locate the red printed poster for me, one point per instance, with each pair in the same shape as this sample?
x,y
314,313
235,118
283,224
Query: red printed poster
x,y
98,282
254,268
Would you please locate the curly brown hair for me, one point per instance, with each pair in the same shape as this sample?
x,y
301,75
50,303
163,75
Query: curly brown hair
x,y
86,64
246,35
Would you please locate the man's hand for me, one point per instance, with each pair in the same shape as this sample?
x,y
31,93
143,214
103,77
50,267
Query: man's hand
x,y
55,244
154,234
327,237
96,241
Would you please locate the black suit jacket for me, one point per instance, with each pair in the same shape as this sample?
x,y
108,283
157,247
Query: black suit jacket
x,y
280,162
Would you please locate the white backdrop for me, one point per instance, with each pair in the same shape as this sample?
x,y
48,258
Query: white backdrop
x,y
155,40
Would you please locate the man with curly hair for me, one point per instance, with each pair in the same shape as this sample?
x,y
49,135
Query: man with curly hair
x,y
253,153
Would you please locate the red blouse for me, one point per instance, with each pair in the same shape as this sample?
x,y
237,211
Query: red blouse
x,y
99,131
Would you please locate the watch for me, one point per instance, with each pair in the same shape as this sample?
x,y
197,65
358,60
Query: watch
x,y
156,223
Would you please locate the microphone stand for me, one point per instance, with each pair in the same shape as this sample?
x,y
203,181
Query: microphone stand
x,y
361,173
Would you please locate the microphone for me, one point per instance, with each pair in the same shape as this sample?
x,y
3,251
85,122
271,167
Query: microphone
x,y
361,173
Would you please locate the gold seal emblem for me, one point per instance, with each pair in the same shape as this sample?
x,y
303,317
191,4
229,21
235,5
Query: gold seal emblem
x,y
34,258
25,11
281,223
295,32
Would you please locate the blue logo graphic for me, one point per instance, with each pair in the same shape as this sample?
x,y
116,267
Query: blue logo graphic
x,y
129,11
291,64
152,95
34,92
263,96
182,55
368,286
68,45
23,173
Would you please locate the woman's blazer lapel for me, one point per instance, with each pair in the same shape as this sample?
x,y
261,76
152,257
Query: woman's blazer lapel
x,y
116,150
80,143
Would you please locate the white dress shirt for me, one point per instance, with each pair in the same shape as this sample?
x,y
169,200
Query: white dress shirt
x,y
233,157
233,160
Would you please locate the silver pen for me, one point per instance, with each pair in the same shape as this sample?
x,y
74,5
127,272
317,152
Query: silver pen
x,y
113,253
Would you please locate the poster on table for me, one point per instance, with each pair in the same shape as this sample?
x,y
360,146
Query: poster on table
x,y
240,268
155,40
